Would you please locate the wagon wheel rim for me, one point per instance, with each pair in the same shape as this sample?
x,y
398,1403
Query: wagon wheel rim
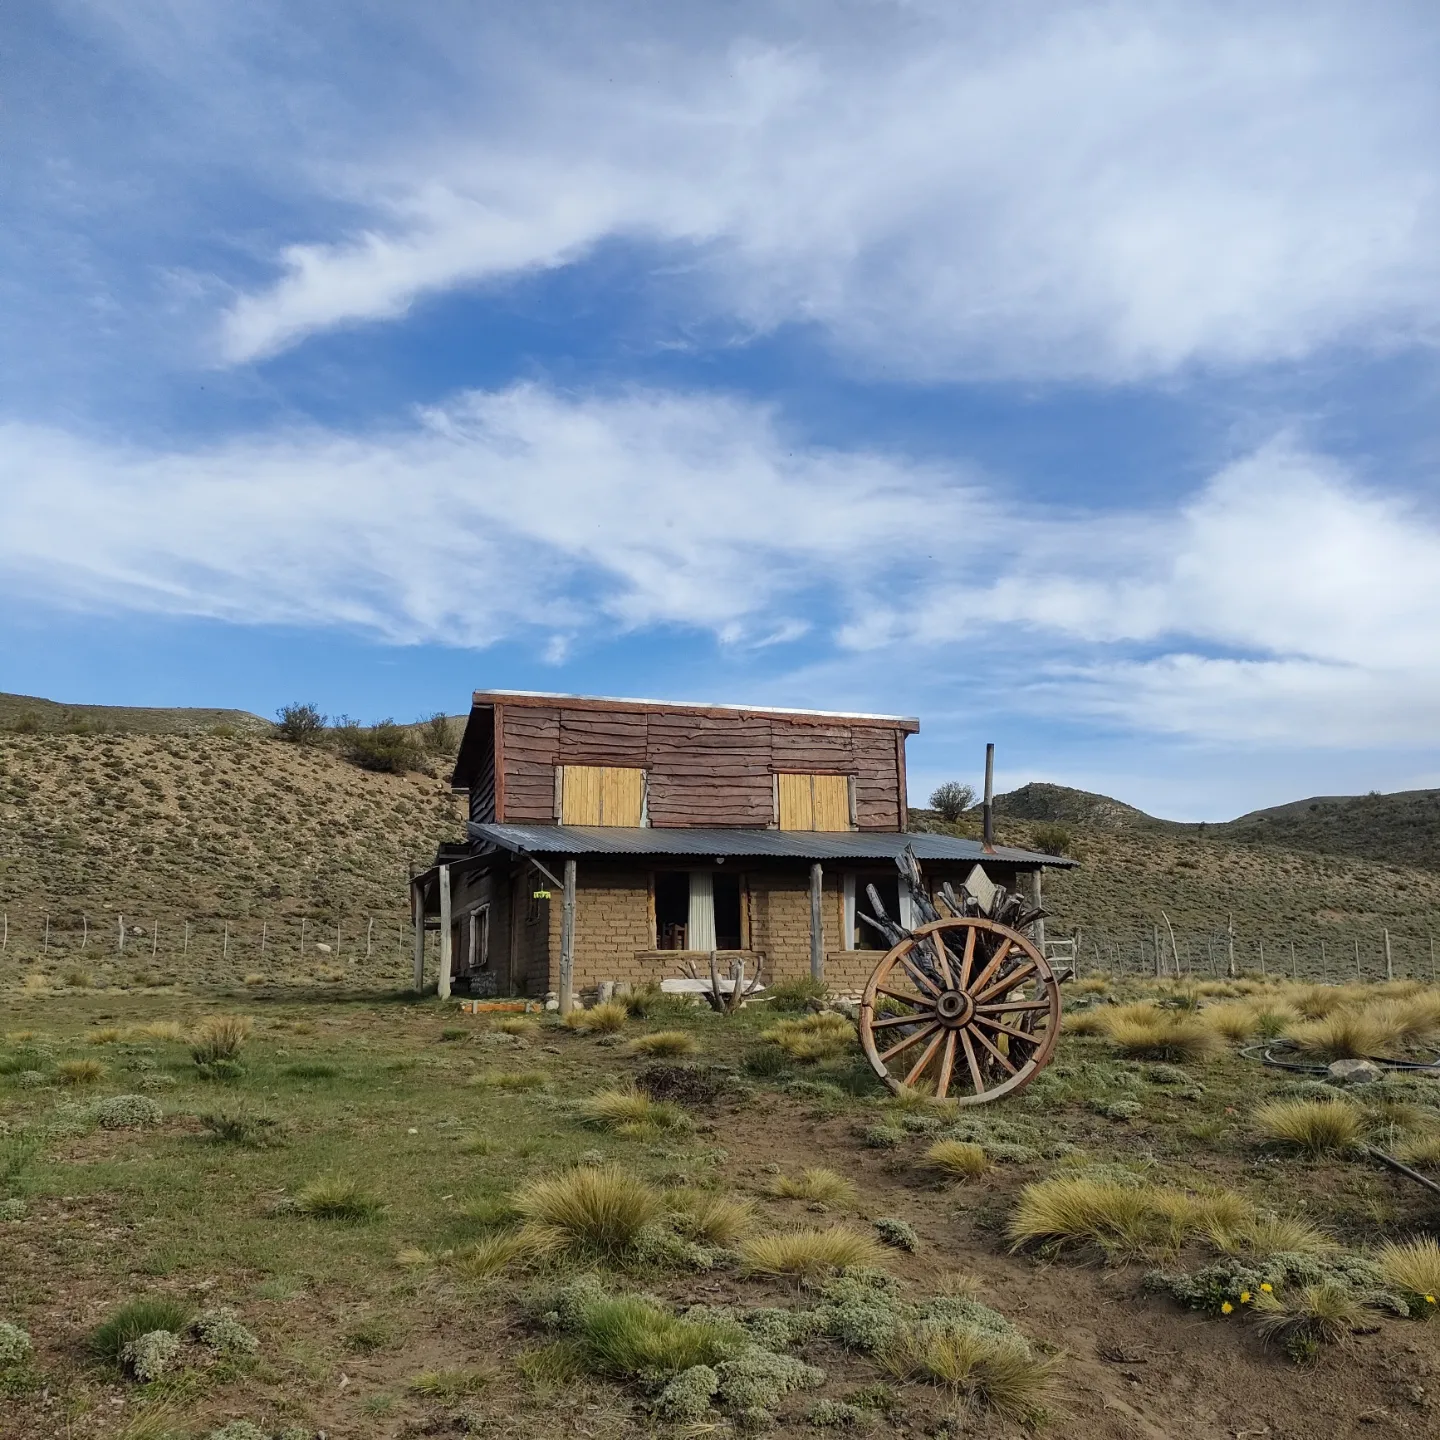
x,y
976,1011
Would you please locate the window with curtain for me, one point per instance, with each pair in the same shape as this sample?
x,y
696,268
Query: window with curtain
x,y
698,910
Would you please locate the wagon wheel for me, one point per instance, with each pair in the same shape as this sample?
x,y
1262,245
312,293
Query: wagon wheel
x,y
966,1003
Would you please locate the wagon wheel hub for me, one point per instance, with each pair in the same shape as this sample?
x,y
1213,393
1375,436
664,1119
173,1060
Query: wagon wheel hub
x,y
955,1007
964,1007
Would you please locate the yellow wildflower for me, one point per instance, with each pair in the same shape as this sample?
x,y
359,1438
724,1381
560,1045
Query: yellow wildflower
x,y
1226,1308
1429,1299
1244,1297
1267,1287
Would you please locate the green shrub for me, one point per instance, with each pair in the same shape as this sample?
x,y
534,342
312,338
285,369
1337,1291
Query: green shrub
x,y
249,1129
386,748
598,1209
899,1233
14,1345
336,1197
150,1355
628,1335
803,993
142,1316
220,1330
300,724
128,1112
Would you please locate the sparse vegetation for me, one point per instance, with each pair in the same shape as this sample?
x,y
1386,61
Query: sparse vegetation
x,y
632,1112
1315,1315
961,1158
338,1197
817,1185
599,1210
998,1373
664,1042
1315,1127
603,1019
79,1072
1413,1268
951,800
219,1038
825,1036
142,1316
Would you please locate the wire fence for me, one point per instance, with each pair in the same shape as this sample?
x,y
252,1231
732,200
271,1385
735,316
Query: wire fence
x,y
1376,953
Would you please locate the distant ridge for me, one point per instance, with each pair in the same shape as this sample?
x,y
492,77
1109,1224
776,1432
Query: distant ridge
x,y
50,717
1059,804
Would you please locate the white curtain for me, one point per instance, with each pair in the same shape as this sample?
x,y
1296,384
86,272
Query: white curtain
x,y
850,936
700,932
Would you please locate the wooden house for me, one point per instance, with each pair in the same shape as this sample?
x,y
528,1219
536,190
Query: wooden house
x,y
615,838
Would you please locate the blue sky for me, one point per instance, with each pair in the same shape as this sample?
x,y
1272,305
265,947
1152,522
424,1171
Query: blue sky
x,y
1063,374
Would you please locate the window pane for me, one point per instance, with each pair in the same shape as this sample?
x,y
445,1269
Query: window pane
x,y
728,929
888,887
672,909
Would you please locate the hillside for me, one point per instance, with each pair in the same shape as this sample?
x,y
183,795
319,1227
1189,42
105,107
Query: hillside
x,y
29,714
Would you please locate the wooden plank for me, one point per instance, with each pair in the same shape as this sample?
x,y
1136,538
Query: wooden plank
x,y
580,795
797,805
567,941
497,762
831,802
622,794
443,987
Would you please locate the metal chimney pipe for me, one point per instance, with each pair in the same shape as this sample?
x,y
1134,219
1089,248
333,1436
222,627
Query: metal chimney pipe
x,y
989,796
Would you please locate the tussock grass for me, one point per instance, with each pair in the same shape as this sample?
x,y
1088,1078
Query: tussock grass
x,y
663,1042
1086,1022
1345,1035
517,1025
631,1112
816,1184
485,1257
1314,1002
107,1036
809,1254
1123,1220
824,1036
1315,1315
337,1197
1412,1266
219,1037
603,1019
239,1125
1269,1234
959,1158
1412,1020
1421,1150
996,1373
597,1209
710,1219
79,1072
1316,1127
628,1335
1233,1021
168,1030
135,1318
448,1384
1166,1035
1092,985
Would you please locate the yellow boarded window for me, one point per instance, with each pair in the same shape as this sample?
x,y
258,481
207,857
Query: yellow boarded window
x,y
601,795
814,802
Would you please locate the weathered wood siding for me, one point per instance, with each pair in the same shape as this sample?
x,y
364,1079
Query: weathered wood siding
x,y
703,769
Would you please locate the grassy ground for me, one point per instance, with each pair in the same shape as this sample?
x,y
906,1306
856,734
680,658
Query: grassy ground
x,y
382,1324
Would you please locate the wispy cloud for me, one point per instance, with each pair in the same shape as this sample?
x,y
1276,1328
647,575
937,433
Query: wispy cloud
x,y
1111,192
1283,602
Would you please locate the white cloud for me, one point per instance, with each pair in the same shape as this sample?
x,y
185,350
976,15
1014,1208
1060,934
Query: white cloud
x,y
1114,191
1281,604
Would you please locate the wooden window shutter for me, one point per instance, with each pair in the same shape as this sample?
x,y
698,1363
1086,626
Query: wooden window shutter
x,y
814,802
601,795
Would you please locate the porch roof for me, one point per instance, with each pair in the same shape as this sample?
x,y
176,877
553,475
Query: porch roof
x,y
769,844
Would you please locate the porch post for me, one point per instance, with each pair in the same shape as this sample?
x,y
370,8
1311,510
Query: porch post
x,y
443,988
417,913
817,925
567,941
1036,898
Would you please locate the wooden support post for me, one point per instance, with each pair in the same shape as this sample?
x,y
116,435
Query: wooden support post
x,y
567,940
417,915
154,937
1262,960
85,930
1159,954
442,987
264,936
1389,962
1294,967
817,924
1357,959
45,947
1037,899
1230,942
121,920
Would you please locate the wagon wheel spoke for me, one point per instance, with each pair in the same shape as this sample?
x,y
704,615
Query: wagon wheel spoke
x,y
999,1007
947,1066
993,965
972,1062
942,958
910,1040
889,1022
998,1055
919,1067
968,959
921,979
1008,982
917,1002
989,1024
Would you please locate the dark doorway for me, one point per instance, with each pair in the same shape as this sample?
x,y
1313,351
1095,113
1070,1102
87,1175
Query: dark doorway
x,y
672,909
729,931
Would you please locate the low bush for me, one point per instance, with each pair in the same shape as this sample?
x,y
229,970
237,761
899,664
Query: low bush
x,y
899,1233
603,1019
802,993
141,1316
810,1254
1232,1022
816,1184
220,1331
386,747
630,1112
108,1036
337,1197
626,1336
959,1158
485,1257
767,1062
448,1384
600,1210
151,1355
127,1112
825,1036
249,1129
1316,1127
517,1025
1301,1322
708,1218
14,1346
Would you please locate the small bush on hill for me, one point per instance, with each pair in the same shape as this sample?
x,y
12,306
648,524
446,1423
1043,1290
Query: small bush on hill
x,y
300,724
951,800
994,1372
386,748
219,1038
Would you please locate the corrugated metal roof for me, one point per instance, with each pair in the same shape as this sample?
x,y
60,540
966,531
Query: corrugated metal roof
x,y
779,844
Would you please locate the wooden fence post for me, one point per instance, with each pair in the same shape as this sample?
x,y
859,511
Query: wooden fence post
x,y
1357,960
417,915
1230,937
121,920
817,925
1389,963
1262,960
567,940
